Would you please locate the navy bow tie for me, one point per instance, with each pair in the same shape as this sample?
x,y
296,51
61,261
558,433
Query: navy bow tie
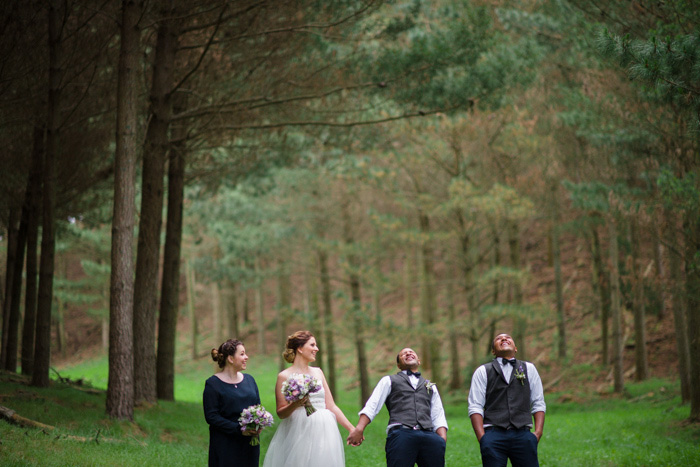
x,y
414,373
511,361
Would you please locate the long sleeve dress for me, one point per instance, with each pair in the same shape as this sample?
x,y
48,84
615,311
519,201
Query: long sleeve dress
x,y
223,404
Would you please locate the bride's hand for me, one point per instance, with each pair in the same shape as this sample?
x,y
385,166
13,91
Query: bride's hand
x,y
303,401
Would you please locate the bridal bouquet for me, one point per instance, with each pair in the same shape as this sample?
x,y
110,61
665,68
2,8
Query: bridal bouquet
x,y
299,386
255,418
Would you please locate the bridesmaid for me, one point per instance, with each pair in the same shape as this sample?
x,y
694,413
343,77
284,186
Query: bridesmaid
x,y
226,394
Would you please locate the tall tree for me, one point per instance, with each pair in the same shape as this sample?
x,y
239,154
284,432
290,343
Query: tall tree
x,y
120,389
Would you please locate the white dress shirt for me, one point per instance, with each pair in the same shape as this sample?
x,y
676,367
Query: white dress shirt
x,y
383,389
477,392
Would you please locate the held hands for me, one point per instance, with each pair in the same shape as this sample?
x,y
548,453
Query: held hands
x,y
356,437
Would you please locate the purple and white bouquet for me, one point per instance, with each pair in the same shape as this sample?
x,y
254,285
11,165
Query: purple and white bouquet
x,y
299,386
255,418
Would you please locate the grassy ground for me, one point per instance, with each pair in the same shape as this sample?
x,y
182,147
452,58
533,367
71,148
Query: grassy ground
x,y
644,428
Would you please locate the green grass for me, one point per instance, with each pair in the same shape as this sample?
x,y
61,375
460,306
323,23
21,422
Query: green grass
x,y
644,428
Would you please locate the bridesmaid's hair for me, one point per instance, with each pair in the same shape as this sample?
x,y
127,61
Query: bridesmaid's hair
x,y
225,349
296,340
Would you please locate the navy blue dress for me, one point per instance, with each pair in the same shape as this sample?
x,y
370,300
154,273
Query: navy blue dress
x,y
223,403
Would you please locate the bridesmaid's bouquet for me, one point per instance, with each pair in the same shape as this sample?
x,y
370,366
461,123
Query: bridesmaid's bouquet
x,y
299,386
255,417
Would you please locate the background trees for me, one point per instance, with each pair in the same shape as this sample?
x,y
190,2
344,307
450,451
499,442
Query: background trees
x,y
381,173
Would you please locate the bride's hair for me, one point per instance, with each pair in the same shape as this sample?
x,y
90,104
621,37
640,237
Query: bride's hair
x,y
224,350
295,341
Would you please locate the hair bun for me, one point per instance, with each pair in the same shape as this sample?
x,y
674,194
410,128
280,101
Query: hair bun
x,y
288,355
215,355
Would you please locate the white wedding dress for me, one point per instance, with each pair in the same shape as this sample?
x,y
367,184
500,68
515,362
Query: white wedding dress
x,y
312,441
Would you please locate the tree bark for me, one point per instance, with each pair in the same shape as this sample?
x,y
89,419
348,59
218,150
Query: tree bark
x,y
408,281
455,379
604,291
675,277
15,295
30,295
194,330
217,311
42,347
618,371
640,332
521,320
327,337
170,286
259,308
431,346
558,280
692,274
12,235
120,389
284,304
154,157
356,305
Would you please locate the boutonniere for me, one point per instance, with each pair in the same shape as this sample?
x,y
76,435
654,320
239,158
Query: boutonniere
x,y
520,374
429,385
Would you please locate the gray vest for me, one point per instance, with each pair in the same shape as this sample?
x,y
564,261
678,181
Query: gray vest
x,y
409,406
507,404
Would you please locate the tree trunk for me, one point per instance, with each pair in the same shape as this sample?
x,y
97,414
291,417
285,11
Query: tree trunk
x,y
692,272
120,389
521,320
408,284
431,344
259,308
42,347
154,157
12,235
327,336
558,280
675,278
230,298
640,332
604,291
15,295
618,371
191,309
455,379
356,305
284,304
170,288
30,296
217,311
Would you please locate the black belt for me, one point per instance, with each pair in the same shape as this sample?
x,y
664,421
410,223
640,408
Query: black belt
x,y
406,427
510,428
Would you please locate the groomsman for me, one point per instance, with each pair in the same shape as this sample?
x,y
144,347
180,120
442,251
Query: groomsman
x,y
417,430
505,395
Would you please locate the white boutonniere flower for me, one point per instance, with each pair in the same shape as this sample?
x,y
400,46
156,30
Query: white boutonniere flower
x,y
429,385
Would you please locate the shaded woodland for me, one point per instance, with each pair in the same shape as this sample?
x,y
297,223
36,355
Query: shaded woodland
x,y
379,172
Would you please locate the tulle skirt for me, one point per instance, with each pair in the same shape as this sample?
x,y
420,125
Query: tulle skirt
x,y
302,441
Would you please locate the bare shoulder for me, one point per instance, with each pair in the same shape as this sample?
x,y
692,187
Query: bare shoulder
x,y
316,372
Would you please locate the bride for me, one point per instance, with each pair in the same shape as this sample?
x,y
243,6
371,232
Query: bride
x,y
302,440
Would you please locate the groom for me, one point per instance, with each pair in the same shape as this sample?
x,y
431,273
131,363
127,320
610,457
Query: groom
x,y
417,430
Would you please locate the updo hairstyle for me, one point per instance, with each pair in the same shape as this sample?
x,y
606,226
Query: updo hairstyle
x,y
294,342
225,349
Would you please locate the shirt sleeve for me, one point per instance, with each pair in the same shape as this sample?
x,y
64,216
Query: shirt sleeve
x,y
477,392
213,416
536,391
437,411
376,400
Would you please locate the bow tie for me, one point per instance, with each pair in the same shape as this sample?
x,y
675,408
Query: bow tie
x,y
414,373
511,361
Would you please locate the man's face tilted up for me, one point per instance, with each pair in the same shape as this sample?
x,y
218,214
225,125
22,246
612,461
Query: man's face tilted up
x,y
407,359
504,346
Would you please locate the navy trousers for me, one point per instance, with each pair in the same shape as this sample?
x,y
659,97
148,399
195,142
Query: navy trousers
x,y
497,445
406,447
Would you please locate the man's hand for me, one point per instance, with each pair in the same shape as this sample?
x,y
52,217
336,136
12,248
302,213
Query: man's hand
x,y
356,437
